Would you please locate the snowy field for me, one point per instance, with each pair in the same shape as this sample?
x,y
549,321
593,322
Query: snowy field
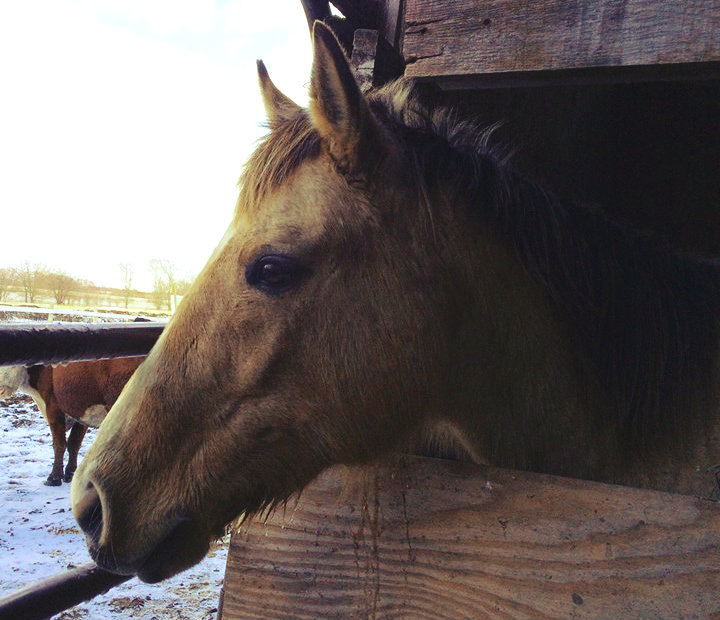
x,y
39,538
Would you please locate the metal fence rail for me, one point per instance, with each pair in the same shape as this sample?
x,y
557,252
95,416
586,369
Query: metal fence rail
x,y
53,343
46,598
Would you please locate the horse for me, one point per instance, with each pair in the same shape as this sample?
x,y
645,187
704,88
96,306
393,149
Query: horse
x,y
71,397
387,276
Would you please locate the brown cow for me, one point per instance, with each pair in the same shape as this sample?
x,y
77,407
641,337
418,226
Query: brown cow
x,y
72,396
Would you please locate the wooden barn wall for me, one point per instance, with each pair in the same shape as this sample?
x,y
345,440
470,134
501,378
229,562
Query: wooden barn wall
x,y
614,102
471,41
649,153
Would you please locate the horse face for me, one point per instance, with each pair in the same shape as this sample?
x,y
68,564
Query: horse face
x,y
293,350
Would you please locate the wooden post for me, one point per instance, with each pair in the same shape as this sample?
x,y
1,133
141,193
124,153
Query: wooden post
x,y
363,55
315,10
439,539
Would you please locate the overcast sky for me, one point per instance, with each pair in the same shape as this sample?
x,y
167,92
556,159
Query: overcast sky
x,y
124,125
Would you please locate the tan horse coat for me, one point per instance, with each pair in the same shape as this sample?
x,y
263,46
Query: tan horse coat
x,y
385,276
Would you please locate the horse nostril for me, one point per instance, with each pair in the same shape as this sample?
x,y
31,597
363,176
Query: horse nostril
x,y
88,513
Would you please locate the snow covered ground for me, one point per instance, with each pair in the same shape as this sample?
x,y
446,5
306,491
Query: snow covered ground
x,y
39,537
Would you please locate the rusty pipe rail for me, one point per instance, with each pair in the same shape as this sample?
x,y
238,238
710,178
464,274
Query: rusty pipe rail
x,y
43,343
58,593
51,343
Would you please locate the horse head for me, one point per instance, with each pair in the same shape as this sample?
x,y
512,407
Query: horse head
x,y
316,334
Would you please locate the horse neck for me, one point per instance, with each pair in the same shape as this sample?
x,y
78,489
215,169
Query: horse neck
x,y
513,389
582,333
646,315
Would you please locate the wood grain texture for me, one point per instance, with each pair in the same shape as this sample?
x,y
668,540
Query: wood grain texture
x,y
456,38
437,539
364,50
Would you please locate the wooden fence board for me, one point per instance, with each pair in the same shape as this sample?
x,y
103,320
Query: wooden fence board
x,y
437,539
452,40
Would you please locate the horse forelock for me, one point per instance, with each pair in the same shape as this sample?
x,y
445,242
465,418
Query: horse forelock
x,y
397,105
277,156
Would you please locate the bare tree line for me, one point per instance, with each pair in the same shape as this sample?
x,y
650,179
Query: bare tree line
x,y
33,279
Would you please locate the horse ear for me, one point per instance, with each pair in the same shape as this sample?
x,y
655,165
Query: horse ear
x,y
278,107
338,109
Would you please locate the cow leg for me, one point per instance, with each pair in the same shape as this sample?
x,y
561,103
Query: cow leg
x,y
56,421
77,432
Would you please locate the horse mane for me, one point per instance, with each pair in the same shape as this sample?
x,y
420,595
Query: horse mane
x,y
645,315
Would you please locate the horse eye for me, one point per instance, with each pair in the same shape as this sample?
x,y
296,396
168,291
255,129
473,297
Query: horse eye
x,y
275,274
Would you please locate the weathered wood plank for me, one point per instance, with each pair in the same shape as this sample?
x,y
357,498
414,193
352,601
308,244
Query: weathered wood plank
x,y
436,539
455,39
364,51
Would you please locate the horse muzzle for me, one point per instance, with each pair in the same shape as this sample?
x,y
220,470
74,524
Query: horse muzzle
x,y
158,551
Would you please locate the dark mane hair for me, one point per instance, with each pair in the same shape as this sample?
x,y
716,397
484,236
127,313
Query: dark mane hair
x,y
644,316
